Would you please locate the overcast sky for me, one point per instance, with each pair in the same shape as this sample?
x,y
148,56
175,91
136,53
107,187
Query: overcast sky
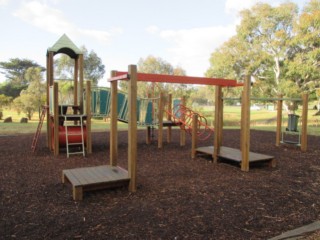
x,y
181,32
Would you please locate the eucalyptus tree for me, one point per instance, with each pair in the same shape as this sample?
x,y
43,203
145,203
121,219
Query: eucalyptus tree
x,y
304,66
260,47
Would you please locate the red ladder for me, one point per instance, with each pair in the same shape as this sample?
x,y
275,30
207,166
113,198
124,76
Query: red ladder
x,y
36,136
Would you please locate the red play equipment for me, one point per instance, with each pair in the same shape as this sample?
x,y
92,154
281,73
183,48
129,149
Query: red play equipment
x,y
183,115
74,135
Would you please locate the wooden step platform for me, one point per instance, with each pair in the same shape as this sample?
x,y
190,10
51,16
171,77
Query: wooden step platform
x,y
94,178
235,155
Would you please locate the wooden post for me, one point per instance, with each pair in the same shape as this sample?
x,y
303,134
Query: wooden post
x,y
279,120
220,119
79,93
49,84
56,119
160,121
242,117
245,124
194,135
113,122
169,118
304,127
217,124
88,121
183,131
132,131
75,82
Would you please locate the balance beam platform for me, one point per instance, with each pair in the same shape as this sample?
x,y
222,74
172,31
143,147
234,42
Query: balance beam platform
x,y
235,155
94,178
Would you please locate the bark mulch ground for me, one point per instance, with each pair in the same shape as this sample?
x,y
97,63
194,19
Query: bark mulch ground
x,y
177,198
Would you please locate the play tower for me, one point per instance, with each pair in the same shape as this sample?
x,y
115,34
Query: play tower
x,y
68,125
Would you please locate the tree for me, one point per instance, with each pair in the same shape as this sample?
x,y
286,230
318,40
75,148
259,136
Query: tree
x,y
303,67
31,99
4,100
11,90
16,68
93,69
260,47
155,65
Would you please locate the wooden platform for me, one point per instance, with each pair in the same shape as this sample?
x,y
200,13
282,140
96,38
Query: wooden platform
x,y
94,178
235,155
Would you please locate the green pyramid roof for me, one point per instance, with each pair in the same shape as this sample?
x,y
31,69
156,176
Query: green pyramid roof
x,y
66,46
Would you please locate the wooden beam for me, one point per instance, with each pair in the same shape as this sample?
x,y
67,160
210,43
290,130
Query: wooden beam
x,y
217,124
279,120
75,82
49,84
304,124
194,135
147,77
88,113
183,131
220,129
80,91
56,119
113,122
132,131
245,123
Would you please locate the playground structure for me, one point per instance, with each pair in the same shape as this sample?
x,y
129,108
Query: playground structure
x,y
86,179
243,155
68,125
134,111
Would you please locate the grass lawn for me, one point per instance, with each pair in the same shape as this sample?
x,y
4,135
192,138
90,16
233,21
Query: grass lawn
x,y
260,120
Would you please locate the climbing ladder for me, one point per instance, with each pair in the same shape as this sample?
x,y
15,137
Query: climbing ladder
x,y
68,125
37,134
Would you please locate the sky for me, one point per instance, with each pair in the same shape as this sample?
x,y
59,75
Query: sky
x,y
184,33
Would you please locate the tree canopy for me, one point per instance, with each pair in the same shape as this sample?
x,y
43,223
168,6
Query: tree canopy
x,y
32,98
157,65
15,70
276,45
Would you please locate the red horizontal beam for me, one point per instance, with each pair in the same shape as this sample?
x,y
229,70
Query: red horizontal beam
x,y
147,77
123,76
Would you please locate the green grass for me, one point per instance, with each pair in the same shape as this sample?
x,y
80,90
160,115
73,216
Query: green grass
x,y
260,120
21,128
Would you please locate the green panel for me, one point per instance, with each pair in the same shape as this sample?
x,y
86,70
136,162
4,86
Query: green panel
x,y
104,96
122,105
149,120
